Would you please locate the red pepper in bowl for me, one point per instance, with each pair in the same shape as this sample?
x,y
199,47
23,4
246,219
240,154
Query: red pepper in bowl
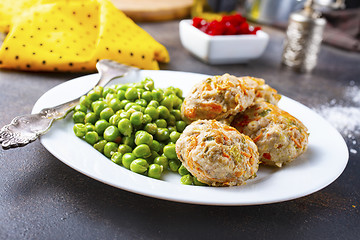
x,y
228,25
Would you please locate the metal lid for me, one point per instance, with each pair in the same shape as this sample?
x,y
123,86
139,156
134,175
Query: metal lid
x,y
304,17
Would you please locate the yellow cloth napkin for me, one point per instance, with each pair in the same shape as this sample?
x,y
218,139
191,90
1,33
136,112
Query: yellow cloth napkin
x,y
64,35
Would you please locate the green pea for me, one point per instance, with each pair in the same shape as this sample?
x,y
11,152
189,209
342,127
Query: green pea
x,y
127,159
120,94
80,108
172,129
142,151
110,96
168,91
112,134
171,121
155,171
89,127
155,146
106,113
163,112
197,182
125,127
162,145
167,102
98,106
140,92
115,104
182,170
100,145
174,165
161,160
178,92
180,126
176,113
123,86
162,134
186,179
170,151
78,117
146,119
141,102
91,117
175,100
85,101
118,112
106,91
91,137
131,111
93,95
123,148
161,123
80,130
148,84
136,118
110,148
174,136
129,140
125,115
99,89
151,128
152,157
123,103
153,103
139,165
153,112
147,96
114,119
143,137
101,125
138,85
137,107
117,158
131,94
128,106
157,95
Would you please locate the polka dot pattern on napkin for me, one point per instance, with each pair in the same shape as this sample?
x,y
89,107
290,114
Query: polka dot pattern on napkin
x,y
74,35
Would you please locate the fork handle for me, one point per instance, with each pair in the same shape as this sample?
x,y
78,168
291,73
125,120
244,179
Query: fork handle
x,y
60,111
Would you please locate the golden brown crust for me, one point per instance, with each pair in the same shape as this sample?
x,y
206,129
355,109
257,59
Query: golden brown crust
x,y
263,92
217,98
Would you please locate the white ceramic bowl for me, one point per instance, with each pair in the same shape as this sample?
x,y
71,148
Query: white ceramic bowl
x,y
222,49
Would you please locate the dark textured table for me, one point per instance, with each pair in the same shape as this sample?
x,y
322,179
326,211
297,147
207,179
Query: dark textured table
x,y
42,198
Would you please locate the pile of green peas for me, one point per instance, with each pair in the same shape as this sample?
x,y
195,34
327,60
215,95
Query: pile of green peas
x,y
135,125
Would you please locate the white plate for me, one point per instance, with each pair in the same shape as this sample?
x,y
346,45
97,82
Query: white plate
x,y
324,161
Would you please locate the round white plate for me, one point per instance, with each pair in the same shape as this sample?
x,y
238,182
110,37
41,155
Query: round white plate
x,y
324,161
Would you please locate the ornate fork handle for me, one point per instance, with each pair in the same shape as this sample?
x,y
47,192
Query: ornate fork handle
x,y
27,128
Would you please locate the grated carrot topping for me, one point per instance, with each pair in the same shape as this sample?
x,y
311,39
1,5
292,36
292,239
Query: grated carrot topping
x,y
246,154
296,142
225,154
190,113
257,138
214,107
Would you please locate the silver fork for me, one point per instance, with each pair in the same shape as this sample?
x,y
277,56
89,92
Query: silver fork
x,y
27,128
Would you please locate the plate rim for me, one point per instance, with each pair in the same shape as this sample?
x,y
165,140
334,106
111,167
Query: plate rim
x,y
186,200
